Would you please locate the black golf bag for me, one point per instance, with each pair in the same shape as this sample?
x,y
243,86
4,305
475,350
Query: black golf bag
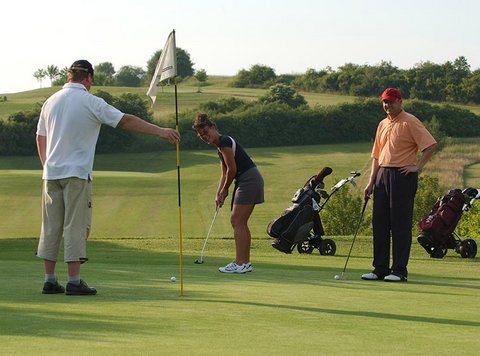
x,y
437,229
300,224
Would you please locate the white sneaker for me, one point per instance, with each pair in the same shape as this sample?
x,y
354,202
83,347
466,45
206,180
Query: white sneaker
x,y
370,276
232,267
247,267
395,278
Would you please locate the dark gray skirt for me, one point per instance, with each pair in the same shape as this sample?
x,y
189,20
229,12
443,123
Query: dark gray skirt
x,y
249,188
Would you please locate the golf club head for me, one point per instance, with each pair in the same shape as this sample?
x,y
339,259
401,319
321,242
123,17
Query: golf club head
x,y
198,261
354,183
340,277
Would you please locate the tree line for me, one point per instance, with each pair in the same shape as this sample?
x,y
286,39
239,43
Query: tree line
x,y
447,82
128,76
279,118
452,81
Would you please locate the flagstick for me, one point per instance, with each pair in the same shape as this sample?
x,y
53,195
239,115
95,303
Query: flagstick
x,y
180,242
167,68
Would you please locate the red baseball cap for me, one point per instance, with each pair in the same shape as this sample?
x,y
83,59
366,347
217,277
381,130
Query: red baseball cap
x,y
390,94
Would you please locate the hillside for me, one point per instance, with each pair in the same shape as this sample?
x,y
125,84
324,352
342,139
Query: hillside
x,y
188,96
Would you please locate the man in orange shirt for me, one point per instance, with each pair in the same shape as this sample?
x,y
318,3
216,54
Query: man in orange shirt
x,y
393,181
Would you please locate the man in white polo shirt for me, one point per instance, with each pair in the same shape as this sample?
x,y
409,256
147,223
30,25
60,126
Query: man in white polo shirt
x,y
67,134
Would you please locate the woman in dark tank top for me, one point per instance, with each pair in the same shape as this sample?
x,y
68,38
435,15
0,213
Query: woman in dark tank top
x,y
236,167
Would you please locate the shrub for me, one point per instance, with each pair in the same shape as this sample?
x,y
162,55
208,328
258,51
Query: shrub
x,y
341,213
221,106
258,76
283,94
455,122
17,134
469,226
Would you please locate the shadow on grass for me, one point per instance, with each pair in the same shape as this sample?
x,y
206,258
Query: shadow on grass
x,y
366,314
32,321
136,271
148,162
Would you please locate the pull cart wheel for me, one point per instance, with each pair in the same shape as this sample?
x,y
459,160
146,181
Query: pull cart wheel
x,y
468,248
327,247
305,247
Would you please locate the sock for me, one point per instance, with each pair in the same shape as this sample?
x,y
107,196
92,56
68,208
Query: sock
x,y
74,279
52,278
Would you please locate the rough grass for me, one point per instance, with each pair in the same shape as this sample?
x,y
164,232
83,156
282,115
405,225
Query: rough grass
x,y
452,164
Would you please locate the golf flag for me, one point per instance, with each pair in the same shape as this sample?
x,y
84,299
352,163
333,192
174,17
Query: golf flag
x,y
166,69
166,66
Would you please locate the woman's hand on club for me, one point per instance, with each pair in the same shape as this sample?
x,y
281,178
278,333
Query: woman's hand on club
x,y
221,196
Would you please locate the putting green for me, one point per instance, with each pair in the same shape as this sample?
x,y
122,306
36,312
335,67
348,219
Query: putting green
x,y
289,304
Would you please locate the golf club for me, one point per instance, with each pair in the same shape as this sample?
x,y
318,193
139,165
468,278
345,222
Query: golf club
x,y
342,276
200,259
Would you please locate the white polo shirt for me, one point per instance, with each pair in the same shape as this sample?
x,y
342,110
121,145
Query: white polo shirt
x,y
71,120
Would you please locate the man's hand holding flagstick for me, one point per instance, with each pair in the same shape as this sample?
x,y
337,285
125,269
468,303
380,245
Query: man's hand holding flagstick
x,y
166,69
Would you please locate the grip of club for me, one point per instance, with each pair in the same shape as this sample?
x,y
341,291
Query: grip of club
x,y
321,175
365,201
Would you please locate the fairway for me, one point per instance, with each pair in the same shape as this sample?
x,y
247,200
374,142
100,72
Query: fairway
x,y
135,195
289,304
472,175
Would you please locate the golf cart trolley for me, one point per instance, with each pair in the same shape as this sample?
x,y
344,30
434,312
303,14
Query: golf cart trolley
x,y
437,229
300,224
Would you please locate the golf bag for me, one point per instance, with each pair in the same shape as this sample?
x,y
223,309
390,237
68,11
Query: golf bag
x,y
437,229
300,224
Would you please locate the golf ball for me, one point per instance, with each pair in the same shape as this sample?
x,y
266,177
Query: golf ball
x,y
337,276
173,279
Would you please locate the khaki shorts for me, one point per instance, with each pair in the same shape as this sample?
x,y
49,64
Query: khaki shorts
x,y
67,212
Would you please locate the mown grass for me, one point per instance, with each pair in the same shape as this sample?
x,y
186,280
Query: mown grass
x,y
472,175
136,194
189,96
289,304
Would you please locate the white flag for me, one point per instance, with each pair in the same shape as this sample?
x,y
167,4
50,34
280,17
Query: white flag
x,y
166,66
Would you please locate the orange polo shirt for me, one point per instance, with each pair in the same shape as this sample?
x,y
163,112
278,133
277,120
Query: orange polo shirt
x,y
398,140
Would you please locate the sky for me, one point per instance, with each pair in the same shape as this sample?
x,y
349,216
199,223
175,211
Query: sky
x,y
225,36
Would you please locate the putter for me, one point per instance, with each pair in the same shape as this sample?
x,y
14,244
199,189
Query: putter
x,y
342,276
199,260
